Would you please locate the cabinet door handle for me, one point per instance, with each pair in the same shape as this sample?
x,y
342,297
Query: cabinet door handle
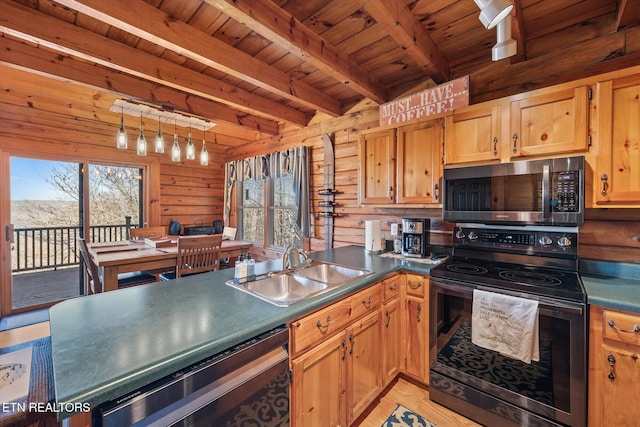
x,y
344,349
388,316
412,286
352,341
391,193
515,142
326,325
393,286
605,184
612,360
419,310
436,187
633,330
495,145
367,303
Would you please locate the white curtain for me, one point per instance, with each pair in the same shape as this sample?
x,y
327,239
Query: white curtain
x,y
294,162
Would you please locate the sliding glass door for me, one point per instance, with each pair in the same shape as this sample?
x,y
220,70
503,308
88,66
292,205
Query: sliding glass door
x,y
51,203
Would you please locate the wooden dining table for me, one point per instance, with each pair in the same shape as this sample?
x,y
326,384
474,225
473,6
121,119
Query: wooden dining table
x,y
135,255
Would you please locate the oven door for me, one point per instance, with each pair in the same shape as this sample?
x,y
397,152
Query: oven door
x,y
497,390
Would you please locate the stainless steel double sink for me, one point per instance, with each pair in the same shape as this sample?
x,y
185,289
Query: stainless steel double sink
x,y
288,287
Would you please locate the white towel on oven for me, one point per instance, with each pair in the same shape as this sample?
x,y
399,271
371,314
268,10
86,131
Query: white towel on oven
x,y
506,324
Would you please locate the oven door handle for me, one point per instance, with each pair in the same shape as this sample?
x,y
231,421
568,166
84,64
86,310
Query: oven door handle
x,y
546,194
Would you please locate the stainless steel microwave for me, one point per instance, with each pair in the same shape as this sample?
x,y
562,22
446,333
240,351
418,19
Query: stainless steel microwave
x,y
549,191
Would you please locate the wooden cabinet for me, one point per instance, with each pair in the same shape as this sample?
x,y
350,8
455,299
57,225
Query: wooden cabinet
x,y
317,388
473,134
391,329
416,327
552,123
336,360
419,154
614,368
616,175
401,165
364,381
377,167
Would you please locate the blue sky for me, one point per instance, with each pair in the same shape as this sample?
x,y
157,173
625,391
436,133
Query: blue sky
x,y
29,180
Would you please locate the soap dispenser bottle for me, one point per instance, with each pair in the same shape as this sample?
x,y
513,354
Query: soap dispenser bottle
x,y
251,267
240,272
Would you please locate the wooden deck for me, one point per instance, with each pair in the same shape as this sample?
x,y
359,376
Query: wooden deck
x,y
42,287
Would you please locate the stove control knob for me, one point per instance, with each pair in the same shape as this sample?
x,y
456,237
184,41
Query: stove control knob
x,y
460,234
545,240
473,235
564,242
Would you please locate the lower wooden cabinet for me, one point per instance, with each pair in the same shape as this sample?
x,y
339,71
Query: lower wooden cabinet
x,y
614,368
318,386
343,355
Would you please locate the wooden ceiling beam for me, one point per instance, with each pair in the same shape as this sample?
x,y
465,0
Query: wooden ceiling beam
x,y
628,14
149,23
518,33
276,24
26,57
58,35
403,27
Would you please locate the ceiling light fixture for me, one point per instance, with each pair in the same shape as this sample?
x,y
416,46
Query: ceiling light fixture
x,y
493,11
159,141
204,154
175,149
121,137
191,149
506,46
141,144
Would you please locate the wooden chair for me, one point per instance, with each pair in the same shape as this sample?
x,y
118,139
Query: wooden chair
x,y
228,233
196,254
95,278
141,233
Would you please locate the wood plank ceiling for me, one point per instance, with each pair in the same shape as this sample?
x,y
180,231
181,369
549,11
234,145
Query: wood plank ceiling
x,y
258,66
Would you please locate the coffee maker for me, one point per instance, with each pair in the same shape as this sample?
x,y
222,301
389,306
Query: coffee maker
x,y
415,237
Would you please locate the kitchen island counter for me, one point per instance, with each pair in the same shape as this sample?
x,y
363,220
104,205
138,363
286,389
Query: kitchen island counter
x,y
612,284
107,345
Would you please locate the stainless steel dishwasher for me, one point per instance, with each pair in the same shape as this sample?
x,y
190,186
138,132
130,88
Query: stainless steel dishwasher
x,y
245,385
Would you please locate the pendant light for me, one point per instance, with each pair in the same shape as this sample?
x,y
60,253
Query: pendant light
x,y
175,150
121,137
141,144
159,141
204,154
493,11
191,149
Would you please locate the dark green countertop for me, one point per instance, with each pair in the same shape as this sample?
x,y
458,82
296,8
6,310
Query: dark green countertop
x,y
107,345
612,285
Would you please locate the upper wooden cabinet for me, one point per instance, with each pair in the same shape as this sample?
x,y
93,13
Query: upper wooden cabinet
x,y
616,170
377,167
402,165
551,123
473,134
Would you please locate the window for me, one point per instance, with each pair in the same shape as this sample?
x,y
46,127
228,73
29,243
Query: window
x,y
275,224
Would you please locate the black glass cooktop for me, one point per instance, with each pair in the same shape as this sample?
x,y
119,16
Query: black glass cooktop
x,y
524,278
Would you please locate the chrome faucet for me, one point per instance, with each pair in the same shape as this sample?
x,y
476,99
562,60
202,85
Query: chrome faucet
x,y
294,258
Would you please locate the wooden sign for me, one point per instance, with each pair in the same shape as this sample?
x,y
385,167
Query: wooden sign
x,y
439,99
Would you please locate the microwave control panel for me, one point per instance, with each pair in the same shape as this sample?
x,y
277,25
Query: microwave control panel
x,y
566,192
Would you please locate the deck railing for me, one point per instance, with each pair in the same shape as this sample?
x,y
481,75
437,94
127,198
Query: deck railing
x,y
37,248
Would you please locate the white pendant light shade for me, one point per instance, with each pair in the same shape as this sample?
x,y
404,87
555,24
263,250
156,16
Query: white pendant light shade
x,y
159,141
493,11
506,46
122,139
191,149
204,154
141,144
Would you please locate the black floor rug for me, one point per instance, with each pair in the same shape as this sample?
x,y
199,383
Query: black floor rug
x,y
532,380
